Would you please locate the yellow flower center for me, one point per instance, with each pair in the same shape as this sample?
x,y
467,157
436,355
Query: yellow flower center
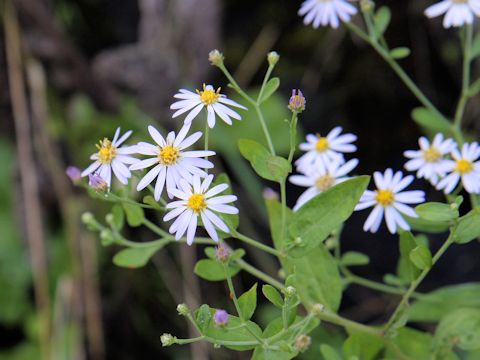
x,y
322,144
432,155
324,182
208,96
385,197
197,203
168,155
464,166
106,151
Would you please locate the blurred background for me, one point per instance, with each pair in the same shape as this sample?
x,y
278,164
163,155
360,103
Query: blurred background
x,y
74,70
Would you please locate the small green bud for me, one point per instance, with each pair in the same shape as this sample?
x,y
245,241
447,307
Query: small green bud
x,y
183,309
167,340
88,218
298,241
302,342
273,58
290,291
367,5
107,238
317,309
282,274
216,58
109,219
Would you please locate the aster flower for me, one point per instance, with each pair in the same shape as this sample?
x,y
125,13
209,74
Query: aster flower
x,y
389,199
297,101
465,167
208,98
74,173
325,149
197,200
111,157
170,160
326,12
457,12
430,162
321,178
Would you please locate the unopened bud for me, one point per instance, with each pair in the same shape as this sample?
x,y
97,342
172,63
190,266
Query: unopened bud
x,y
297,101
290,291
220,317
270,194
167,340
273,58
106,237
222,253
183,309
367,5
74,174
88,218
317,309
97,183
302,342
216,57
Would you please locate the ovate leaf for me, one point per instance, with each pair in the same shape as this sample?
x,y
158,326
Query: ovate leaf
x,y
460,328
381,21
468,227
272,295
431,121
400,53
353,258
270,88
135,257
134,214
211,270
421,257
434,211
248,302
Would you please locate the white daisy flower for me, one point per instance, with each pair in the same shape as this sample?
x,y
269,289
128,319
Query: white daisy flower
x,y
429,161
326,12
389,199
464,167
207,98
457,12
197,200
321,179
171,163
112,157
325,149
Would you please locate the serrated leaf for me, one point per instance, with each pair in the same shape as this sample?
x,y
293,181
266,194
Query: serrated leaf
x,y
468,227
211,270
272,295
134,213
135,257
381,21
316,219
270,88
437,212
431,121
353,258
248,302
400,53
421,257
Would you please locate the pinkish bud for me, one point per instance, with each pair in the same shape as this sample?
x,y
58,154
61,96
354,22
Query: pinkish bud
x,y
297,101
74,174
97,183
220,317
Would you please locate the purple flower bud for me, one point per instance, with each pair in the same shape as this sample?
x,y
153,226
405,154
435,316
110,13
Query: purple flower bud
x,y
297,101
220,317
74,174
97,183
270,194
222,253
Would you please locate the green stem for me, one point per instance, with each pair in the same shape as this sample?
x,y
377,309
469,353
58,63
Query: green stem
x,y
189,341
156,229
259,274
264,83
416,283
293,136
283,197
255,243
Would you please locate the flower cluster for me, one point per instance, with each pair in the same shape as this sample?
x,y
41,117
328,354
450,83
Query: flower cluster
x,y
172,166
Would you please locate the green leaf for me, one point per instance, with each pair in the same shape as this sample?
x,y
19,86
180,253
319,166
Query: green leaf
x,y
118,217
134,214
150,200
433,306
381,21
353,258
431,121
316,220
406,268
232,220
203,316
460,328
248,302
468,227
267,166
474,89
272,295
317,278
437,212
329,353
211,270
270,88
421,257
475,50
433,227
364,346
261,353
413,343
274,208
400,53
135,257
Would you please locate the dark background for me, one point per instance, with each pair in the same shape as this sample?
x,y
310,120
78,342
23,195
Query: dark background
x,y
112,62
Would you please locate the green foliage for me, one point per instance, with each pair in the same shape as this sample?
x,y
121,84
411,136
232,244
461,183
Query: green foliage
x,y
363,346
461,329
400,53
212,270
431,121
468,227
323,214
421,257
118,217
381,21
428,226
134,213
437,212
406,268
272,295
270,88
353,258
413,343
248,302
329,353
135,257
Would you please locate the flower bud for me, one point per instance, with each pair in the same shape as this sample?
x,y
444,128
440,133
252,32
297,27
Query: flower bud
x,y
317,309
216,57
106,237
273,58
297,101
302,342
367,6
290,291
97,183
222,254
74,174
220,317
88,218
167,339
183,309
270,194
